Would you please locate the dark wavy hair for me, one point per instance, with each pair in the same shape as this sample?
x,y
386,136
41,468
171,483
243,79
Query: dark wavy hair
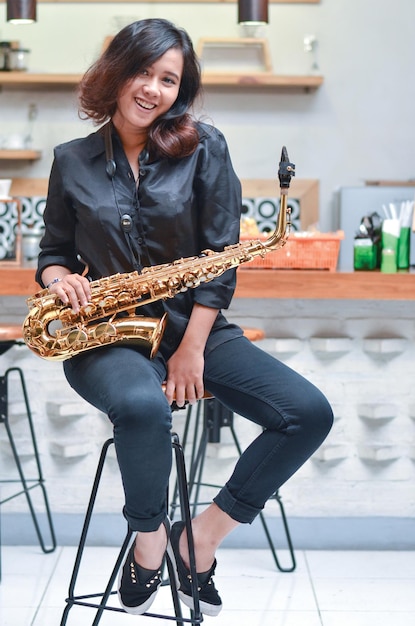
x,y
133,49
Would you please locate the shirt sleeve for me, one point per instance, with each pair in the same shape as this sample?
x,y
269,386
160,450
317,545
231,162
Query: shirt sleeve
x,y
219,197
57,246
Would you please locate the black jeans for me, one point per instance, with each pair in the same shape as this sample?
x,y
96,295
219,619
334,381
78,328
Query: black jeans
x,y
294,415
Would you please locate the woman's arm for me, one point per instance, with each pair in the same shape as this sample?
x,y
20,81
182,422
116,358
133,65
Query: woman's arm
x,y
185,367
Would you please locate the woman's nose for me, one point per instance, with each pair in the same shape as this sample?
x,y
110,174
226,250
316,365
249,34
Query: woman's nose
x,y
151,86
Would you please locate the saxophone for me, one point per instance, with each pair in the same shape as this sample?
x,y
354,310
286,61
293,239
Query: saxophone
x,y
52,331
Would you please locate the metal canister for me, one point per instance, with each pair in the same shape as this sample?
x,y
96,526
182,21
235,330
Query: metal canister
x,y
5,48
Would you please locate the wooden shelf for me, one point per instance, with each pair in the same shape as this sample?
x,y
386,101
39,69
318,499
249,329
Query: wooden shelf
x,y
261,80
20,155
28,79
279,284
254,81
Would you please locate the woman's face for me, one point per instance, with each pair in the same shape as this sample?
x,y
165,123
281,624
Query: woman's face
x,y
150,94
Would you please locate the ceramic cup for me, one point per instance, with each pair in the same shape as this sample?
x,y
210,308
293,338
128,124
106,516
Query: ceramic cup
x,y
5,184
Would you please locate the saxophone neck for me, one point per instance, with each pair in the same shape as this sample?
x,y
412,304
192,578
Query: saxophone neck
x,y
282,229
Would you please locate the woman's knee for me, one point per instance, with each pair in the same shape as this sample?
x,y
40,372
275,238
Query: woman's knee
x,y
316,415
138,410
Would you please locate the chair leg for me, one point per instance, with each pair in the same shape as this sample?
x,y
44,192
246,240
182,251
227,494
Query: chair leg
x,y
71,599
196,615
27,483
86,599
216,417
293,565
276,497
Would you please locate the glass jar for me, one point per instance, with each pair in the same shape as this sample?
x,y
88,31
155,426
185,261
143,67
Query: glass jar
x,y
18,59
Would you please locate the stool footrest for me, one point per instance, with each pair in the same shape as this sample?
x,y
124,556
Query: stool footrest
x,y
196,616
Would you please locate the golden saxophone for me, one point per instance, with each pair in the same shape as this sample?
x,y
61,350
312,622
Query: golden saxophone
x,y
54,332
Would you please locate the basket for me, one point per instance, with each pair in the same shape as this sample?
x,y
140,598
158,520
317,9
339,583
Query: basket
x,y
306,251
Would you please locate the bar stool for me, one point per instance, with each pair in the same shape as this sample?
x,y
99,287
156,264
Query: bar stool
x,y
210,416
91,600
10,336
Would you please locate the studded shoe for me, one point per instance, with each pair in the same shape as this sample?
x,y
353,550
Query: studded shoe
x,y
209,599
138,586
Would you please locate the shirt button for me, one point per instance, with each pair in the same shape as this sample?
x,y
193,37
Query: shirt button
x,y
140,240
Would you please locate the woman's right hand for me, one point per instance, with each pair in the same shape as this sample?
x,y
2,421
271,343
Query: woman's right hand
x,y
72,289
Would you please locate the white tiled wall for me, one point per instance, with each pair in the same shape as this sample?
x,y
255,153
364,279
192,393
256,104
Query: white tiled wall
x,y
360,354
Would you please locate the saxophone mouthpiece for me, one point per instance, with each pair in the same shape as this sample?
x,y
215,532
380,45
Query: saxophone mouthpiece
x,y
286,170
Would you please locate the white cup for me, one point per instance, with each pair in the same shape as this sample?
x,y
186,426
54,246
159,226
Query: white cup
x,y
5,184
16,141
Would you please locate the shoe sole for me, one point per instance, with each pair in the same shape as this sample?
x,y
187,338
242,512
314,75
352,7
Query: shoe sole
x,y
207,609
138,610
134,610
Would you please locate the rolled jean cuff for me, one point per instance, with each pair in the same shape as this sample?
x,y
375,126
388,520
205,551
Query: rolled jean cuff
x,y
238,511
144,525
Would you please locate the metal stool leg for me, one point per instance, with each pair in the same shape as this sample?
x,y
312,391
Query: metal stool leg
x,y
86,600
27,484
276,497
215,417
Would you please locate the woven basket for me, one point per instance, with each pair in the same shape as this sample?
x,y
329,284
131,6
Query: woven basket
x,y
306,251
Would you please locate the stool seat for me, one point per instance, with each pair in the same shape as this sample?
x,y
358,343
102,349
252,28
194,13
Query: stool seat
x,y
10,332
254,334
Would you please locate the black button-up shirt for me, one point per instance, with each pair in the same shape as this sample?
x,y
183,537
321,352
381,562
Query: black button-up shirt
x,y
181,207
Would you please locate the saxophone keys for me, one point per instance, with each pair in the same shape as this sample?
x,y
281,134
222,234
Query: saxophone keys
x,y
88,310
77,335
192,283
104,329
108,303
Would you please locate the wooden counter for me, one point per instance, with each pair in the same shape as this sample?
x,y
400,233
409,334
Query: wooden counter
x,y
17,281
325,285
288,284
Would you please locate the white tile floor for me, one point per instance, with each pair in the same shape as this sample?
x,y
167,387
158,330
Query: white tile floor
x,y
326,589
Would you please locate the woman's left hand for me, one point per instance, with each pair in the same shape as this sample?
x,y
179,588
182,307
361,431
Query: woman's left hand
x,y
185,376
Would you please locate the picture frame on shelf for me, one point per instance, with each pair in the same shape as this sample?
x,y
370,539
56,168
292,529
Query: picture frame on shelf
x,y
261,200
10,232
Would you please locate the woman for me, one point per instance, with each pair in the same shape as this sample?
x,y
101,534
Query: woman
x,y
150,186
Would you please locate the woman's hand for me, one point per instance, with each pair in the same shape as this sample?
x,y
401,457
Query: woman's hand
x,y
186,366
185,375
72,289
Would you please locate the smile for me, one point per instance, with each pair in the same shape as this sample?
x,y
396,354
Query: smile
x,y
145,105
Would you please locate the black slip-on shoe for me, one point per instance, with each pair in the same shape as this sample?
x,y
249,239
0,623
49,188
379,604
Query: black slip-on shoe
x,y
138,586
209,599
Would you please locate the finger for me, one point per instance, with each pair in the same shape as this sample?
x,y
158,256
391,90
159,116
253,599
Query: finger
x,y
191,394
60,291
200,390
180,395
71,296
169,392
83,292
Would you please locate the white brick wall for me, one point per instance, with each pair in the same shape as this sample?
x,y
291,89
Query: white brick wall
x,y
360,354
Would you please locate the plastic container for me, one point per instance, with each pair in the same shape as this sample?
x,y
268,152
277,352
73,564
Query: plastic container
x,y
388,264
364,254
